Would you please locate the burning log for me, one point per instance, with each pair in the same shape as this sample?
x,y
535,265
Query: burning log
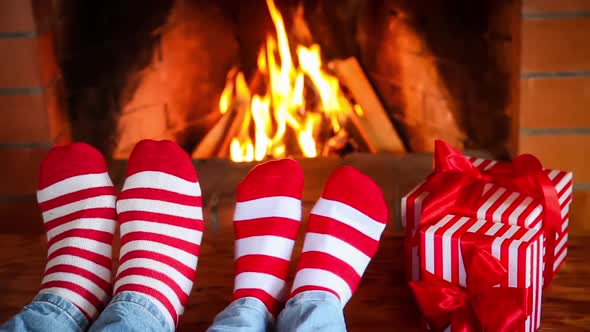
x,y
210,144
217,141
374,124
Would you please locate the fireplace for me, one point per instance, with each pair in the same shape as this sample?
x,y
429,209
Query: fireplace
x,y
503,77
266,79
114,73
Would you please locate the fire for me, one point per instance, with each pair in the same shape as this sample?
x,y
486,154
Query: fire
x,y
282,107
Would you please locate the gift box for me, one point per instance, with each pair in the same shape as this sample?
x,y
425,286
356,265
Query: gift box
x,y
517,193
503,205
479,275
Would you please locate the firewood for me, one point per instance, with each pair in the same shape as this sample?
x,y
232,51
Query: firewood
x,y
376,128
216,142
241,105
233,130
210,144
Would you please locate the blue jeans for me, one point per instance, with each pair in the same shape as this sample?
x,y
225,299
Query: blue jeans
x,y
130,311
307,311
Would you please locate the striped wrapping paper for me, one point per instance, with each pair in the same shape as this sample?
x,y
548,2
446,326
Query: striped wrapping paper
x,y
497,204
519,249
501,205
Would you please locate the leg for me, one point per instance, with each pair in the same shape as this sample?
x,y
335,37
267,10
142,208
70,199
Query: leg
x,y
342,236
161,220
266,222
77,200
245,314
312,311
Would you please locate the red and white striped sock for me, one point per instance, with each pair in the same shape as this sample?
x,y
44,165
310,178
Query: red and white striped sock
x,y
161,226
343,233
266,222
77,200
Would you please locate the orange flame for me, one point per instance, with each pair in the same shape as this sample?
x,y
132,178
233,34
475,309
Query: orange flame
x,y
283,106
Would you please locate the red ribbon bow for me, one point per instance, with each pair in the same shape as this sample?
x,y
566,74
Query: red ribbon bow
x,y
456,186
479,306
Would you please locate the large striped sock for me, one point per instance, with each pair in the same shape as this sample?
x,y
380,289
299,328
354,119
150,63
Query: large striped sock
x,y
161,227
77,200
266,222
343,233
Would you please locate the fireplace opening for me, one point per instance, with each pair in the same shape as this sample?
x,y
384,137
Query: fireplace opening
x,y
264,79
294,105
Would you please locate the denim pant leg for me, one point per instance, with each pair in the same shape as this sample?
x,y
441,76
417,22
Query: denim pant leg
x,y
245,314
131,311
312,311
47,312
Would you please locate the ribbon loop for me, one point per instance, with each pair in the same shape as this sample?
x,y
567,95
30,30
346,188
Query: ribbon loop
x,y
447,158
482,269
478,306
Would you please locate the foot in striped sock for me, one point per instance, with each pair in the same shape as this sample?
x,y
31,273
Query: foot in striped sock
x,y
161,222
77,200
266,222
343,233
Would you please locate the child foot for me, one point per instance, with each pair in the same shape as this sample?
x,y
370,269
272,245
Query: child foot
x,y
343,233
266,222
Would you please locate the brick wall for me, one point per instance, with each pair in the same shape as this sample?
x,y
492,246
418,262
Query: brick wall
x,y
555,92
28,101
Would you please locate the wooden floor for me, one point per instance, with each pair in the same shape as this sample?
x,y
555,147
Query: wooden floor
x,y
382,302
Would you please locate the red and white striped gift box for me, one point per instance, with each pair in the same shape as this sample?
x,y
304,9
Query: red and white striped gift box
x,y
519,249
411,212
501,205
497,204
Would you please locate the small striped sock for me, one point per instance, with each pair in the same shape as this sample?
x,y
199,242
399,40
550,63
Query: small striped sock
x,y
266,222
161,227
343,233
77,200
